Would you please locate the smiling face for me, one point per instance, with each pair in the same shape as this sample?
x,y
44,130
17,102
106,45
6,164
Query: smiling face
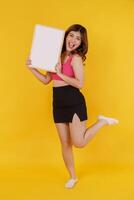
x,y
73,40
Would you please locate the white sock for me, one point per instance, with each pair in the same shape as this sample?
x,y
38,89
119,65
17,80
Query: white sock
x,y
71,182
109,120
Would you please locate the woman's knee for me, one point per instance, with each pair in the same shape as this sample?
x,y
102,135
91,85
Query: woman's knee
x,y
78,144
66,144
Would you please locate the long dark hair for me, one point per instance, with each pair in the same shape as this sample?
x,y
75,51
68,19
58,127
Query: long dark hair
x,y
83,48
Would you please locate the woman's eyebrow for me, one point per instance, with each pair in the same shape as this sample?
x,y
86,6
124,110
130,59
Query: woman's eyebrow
x,y
76,36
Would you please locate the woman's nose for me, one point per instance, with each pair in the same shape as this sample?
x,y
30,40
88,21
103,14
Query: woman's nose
x,y
73,40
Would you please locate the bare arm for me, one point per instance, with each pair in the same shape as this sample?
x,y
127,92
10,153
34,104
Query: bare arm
x,y
44,78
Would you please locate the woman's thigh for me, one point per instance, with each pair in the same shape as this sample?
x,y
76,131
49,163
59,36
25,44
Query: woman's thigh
x,y
63,132
77,129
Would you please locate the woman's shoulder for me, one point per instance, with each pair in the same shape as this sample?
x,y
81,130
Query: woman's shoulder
x,y
76,58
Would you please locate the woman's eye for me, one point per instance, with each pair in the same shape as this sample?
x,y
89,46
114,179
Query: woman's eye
x,y
71,35
78,38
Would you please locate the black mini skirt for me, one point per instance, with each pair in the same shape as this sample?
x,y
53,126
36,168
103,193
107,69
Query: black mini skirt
x,y
68,100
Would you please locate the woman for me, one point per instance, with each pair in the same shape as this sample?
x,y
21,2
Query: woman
x,y
69,106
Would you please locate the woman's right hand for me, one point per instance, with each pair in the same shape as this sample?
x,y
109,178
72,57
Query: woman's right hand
x,y
28,63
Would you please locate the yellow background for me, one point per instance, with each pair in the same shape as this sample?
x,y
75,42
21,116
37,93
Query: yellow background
x,y
31,165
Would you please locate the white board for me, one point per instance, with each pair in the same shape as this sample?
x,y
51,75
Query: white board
x,y
46,47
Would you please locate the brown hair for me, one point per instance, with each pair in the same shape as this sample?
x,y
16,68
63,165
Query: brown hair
x,y
83,48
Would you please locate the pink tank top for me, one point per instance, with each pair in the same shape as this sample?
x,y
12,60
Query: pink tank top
x,y
66,69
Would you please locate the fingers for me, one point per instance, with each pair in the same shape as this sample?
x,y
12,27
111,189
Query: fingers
x,y
29,61
58,65
58,70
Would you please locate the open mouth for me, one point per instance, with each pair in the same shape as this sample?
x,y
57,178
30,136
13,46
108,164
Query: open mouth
x,y
71,45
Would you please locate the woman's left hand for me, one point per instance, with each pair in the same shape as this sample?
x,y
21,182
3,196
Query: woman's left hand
x,y
58,68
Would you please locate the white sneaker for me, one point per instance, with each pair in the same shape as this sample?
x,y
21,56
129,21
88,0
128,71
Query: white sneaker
x,y
70,183
109,120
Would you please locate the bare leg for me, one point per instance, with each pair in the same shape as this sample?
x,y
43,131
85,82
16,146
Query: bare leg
x,y
80,135
92,131
69,160
66,146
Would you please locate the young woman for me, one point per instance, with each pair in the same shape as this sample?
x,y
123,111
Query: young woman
x,y
69,106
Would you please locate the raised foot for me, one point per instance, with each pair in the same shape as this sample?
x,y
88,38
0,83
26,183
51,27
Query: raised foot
x,y
108,120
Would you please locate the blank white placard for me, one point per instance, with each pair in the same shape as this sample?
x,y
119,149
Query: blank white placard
x,y
46,47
